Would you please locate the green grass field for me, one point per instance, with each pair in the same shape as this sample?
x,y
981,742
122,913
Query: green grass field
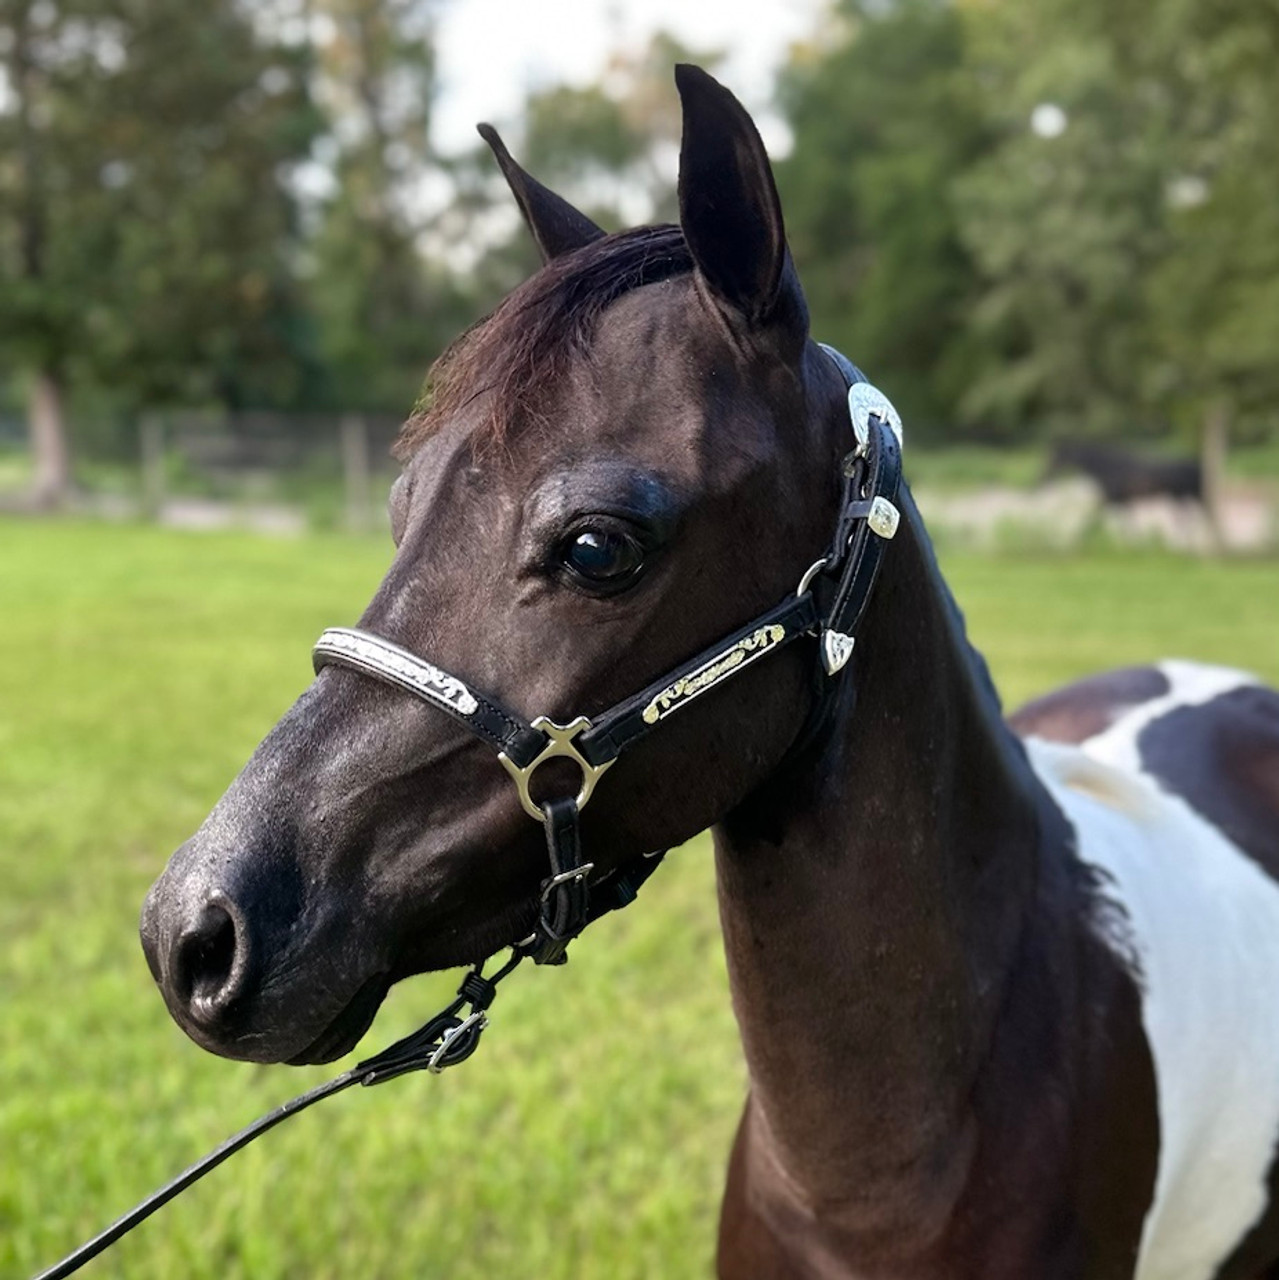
x,y
587,1138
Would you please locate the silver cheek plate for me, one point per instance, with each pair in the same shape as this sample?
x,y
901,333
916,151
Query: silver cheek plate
x,y
864,400
837,648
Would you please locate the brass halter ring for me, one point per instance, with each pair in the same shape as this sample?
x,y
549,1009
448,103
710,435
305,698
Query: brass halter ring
x,y
561,744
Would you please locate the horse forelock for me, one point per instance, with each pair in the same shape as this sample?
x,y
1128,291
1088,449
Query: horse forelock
x,y
518,352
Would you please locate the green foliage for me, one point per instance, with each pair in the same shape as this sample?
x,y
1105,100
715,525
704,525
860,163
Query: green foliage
x,y
239,205
1045,217
380,310
885,117
611,146
1063,229
145,234
588,1137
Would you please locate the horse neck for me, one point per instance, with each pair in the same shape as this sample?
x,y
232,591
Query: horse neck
x,y
872,895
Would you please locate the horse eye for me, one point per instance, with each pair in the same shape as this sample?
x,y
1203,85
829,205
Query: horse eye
x,y
602,556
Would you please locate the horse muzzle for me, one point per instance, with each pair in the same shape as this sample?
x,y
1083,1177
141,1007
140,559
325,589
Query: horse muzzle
x,y
244,974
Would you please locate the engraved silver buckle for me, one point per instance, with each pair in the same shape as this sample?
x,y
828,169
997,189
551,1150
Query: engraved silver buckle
x,y
561,744
883,518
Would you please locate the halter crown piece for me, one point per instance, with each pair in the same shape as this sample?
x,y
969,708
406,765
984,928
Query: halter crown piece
x,y
828,603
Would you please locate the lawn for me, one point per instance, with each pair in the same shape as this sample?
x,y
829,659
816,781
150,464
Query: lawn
x,y
587,1138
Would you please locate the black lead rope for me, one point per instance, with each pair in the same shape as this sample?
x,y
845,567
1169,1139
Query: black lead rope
x,y
444,1041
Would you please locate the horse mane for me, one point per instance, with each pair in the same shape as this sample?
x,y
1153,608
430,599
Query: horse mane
x,y
526,343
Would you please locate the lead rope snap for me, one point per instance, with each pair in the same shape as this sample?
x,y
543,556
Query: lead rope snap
x,y
447,1039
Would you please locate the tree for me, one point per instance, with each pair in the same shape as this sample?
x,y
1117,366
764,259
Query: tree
x,y
1214,296
382,309
145,221
886,116
1065,220
1128,249
614,145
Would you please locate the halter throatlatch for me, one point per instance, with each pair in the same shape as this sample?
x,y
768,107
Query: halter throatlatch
x,y
829,604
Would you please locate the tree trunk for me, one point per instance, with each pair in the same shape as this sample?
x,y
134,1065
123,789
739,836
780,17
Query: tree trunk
x,y
49,450
355,471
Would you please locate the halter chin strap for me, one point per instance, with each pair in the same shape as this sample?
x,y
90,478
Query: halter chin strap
x,y
829,603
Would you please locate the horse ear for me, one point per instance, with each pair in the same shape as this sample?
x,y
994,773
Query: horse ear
x,y
556,226
729,208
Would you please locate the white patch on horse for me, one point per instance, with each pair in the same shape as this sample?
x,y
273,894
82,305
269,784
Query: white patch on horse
x,y
1190,684
1203,925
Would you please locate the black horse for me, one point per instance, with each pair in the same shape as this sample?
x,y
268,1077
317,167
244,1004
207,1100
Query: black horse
x,y
1125,477
1006,1002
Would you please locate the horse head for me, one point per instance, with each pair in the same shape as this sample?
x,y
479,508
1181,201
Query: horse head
x,y
635,453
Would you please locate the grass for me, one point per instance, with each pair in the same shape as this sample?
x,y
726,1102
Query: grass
x,y
587,1138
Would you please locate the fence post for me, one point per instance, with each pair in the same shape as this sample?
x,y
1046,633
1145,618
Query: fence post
x,y
151,446
355,471
1213,445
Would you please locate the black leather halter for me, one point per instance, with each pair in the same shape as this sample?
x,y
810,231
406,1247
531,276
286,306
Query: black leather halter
x,y
828,603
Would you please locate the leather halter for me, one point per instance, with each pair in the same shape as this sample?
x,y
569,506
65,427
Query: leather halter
x,y
829,603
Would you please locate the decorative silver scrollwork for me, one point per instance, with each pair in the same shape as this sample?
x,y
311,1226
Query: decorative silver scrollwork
x,y
865,399
375,656
837,648
687,687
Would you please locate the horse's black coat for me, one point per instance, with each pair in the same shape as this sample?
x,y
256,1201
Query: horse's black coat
x,y
1222,757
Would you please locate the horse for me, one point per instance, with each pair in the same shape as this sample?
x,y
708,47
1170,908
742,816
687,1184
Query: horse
x,y
1003,987
1125,477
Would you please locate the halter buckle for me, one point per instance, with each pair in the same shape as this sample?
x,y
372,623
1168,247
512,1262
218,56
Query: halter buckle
x,y
562,743
551,883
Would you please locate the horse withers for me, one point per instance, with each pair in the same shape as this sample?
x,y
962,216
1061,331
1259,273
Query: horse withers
x,y
1004,993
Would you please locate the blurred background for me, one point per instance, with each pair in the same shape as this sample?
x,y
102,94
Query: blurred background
x,y
232,239
233,236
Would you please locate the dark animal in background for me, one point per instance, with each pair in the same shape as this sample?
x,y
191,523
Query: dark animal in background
x,y
1125,477
1008,1004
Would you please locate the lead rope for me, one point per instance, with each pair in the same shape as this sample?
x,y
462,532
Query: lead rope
x,y
444,1041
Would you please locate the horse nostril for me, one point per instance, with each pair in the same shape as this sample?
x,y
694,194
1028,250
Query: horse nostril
x,y
210,960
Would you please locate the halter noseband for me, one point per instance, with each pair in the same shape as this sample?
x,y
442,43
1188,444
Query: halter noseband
x,y
829,602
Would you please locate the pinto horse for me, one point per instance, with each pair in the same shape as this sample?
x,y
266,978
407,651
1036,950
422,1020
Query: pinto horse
x,y
1004,990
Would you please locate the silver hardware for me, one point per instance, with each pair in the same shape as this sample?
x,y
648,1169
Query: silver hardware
x,y
883,517
865,399
809,574
435,1063
561,744
578,873
709,674
837,648
377,657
